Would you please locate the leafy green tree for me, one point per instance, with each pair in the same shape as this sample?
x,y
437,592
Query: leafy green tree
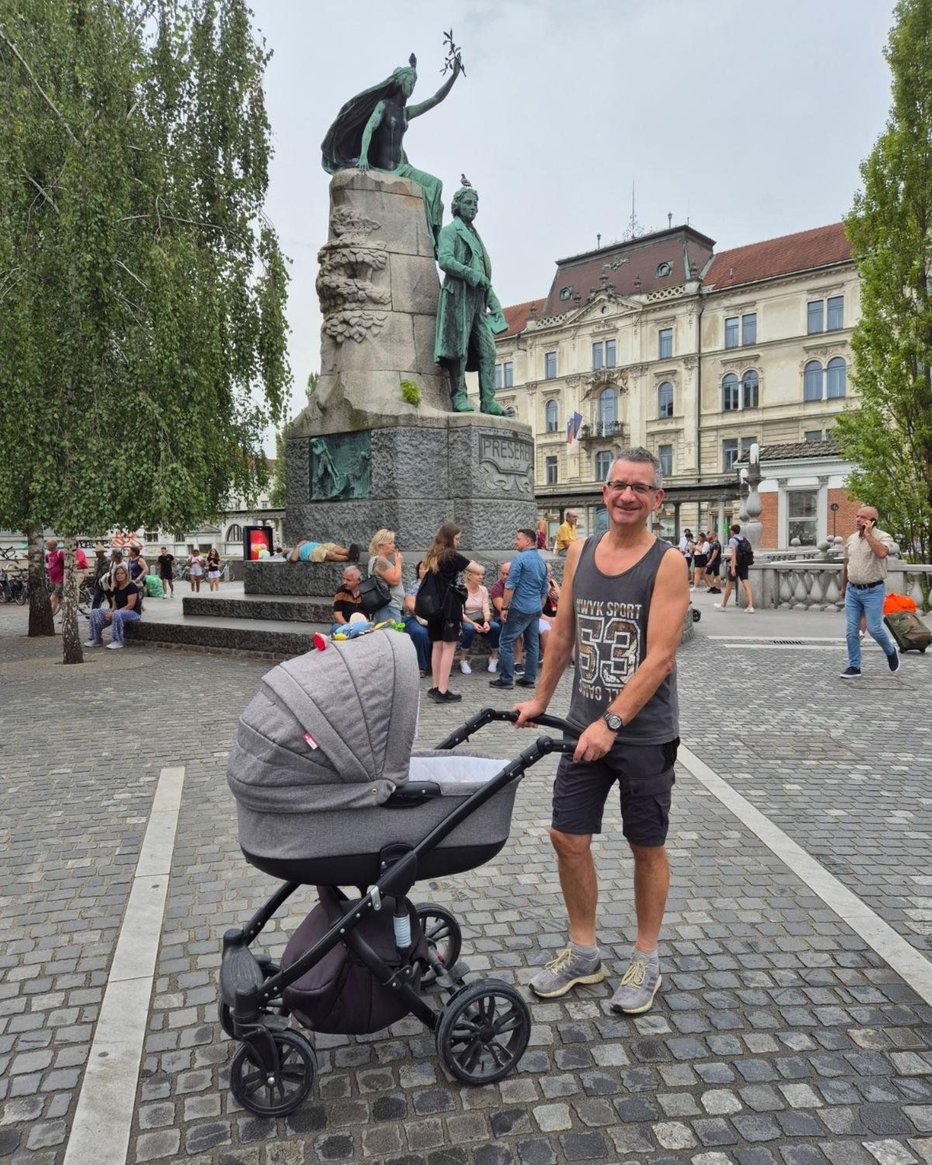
x,y
278,492
889,436
142,290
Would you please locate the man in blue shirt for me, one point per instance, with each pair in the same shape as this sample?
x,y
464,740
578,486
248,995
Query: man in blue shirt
x,y
521,606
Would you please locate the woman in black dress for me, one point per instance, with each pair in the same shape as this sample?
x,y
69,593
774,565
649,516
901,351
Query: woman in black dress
x,y
444,560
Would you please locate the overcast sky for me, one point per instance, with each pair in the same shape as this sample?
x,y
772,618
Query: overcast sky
x,y
748,118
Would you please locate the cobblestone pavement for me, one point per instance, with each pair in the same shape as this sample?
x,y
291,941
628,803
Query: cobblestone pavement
x,y
779,1035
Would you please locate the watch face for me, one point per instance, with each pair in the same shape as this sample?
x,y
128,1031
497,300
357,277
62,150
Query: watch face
x,y
614,722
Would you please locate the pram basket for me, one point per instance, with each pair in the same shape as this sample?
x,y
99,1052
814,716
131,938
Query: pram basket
x,y
357,965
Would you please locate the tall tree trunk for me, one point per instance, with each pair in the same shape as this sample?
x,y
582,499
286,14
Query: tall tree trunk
x,y
70,635
40,609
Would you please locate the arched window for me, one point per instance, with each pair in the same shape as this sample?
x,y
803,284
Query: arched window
x,y
812,381
608,411
235,533
730,399
836,378
603,464
551,413
750,384
665,400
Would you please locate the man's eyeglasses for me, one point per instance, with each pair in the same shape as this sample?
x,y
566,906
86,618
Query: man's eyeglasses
x,y
638,487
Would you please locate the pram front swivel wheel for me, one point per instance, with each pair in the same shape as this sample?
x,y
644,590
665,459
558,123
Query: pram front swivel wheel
x,y
444,938
225,1012
483,1032
280,1092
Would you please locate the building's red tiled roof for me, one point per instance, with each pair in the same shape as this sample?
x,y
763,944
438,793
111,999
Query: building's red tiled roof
x,y
518,315
800,252
798,450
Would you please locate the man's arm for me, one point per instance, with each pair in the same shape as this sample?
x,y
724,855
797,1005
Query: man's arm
x,y
880,548
668,607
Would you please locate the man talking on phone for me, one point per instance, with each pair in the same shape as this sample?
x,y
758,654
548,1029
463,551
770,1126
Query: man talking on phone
x,y
862,584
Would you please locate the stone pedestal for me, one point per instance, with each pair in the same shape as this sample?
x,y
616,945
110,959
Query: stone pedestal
x,y
361,457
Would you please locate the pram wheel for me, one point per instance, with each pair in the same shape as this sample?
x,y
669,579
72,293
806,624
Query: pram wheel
x,y
484,1031
297,1067
444,938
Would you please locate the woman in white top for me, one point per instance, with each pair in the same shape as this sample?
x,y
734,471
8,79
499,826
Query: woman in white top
x,y
195,570
477,618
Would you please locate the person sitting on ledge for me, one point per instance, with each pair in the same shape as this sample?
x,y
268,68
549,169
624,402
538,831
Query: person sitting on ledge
x,y
307,551
347,601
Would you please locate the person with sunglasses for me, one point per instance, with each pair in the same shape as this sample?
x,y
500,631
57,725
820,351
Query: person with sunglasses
x,y
624,600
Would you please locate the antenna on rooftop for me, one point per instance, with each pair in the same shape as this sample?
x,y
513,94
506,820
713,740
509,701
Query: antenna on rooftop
x,y
669,219
634,227
598,241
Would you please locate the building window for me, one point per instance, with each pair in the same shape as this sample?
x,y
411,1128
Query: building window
x,y
812,435
151,536
814,316
566,293
665,343
665,457
836,378
550,365
812,381
802,512
825,315
603,465
598,355
731,332
730,395
603,354
551,413
749,328
746,443
609,353
831,384
665,399
664,269
505,375
235,533
608,411
550,470
750,389
729,453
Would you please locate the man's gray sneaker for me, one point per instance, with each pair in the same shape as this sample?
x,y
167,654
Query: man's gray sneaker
x,y
639,985
567,970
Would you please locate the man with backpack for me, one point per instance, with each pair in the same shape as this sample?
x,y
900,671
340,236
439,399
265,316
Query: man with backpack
x,y
742,557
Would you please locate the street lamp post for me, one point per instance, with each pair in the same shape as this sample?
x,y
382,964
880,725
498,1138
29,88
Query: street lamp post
x,y
752,505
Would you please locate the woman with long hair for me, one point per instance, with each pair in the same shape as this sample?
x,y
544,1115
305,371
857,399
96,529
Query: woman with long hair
x,y
386,562
444,560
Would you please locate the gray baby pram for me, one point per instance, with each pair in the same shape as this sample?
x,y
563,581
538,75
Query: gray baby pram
x,y
330,794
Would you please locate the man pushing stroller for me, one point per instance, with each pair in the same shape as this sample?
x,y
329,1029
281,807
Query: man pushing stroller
x,y
624,599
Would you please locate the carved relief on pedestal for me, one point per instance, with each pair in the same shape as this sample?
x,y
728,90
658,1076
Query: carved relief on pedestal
x,y
506,463
348,298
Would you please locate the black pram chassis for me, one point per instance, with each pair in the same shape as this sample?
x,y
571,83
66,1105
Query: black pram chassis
x,y
482,1029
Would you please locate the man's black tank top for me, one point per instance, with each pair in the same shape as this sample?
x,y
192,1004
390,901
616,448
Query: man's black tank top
x,y
611,641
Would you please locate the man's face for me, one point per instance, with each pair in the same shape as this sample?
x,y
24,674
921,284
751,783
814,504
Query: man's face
x,y
469,206
865,518
503,571
572,518
51,544
351,580
522,542
631,505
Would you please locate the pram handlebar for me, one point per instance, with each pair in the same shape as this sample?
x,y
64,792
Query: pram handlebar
x,y
489,715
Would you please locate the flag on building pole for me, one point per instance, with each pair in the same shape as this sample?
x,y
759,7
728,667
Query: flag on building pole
x,y
569,431
577,421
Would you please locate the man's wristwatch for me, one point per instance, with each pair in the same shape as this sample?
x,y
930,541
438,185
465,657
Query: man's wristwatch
x,y
613,721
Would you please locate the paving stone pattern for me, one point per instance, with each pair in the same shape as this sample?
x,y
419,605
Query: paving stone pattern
x,y
778,1036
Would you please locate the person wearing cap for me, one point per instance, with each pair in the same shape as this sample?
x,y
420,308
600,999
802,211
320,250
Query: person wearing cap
x,y
566,534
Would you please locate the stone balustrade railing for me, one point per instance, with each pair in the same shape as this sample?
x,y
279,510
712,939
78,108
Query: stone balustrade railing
x,y
805,584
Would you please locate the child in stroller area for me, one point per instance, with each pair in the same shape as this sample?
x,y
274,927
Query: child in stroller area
x,y
330,794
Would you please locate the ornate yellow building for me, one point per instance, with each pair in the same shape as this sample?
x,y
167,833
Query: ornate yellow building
x,y
659,341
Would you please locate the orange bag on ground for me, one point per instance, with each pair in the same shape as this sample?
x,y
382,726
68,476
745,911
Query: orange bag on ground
x,y
894,602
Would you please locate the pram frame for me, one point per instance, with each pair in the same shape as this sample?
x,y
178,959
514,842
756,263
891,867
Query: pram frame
x,y
248,990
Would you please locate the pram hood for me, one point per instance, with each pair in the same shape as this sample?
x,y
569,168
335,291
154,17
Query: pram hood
x,y
330,729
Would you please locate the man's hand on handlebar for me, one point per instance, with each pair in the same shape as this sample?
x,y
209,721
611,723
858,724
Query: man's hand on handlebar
x,y
528,712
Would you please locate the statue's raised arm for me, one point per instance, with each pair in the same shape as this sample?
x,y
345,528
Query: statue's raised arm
x,y
369,131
